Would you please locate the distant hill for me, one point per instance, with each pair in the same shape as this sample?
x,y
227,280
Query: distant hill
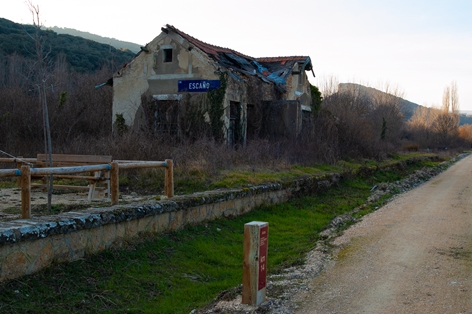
x,y
118,44
82,55
407,107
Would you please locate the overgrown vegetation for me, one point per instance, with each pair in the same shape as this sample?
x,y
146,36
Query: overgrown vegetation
x,y
178,271
216,108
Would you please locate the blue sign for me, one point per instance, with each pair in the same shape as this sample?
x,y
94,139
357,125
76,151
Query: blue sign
x,y
198,85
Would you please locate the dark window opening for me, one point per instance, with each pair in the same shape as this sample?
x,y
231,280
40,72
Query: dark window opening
x,y
167,55
252,123
166,117
235,127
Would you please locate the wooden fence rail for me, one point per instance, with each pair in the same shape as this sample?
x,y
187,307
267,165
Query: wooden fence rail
x,y
10,173
69,170
17,160
27,171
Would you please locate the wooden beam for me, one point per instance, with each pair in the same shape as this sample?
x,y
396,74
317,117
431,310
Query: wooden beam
x,y
82,159
25,191
115,183
18,160
141,164
65,170
56,186
169,178
9,173
80,177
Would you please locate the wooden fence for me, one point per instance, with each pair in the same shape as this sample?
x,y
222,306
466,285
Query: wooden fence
x,y
26,171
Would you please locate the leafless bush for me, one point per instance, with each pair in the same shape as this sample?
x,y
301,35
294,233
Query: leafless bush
x,y
411,147
76,109
465,134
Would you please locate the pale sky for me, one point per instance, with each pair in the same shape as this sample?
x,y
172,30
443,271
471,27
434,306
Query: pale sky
x,y
415,46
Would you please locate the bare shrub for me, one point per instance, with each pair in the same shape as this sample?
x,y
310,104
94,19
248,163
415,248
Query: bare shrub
x,y
465,134
353,127
411,147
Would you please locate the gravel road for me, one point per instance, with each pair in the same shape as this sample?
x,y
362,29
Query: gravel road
x,y
414,255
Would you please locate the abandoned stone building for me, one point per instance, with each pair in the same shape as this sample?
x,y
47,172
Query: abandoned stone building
x,y
179,84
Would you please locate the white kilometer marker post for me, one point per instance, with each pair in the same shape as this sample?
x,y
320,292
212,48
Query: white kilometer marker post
x,y
256,239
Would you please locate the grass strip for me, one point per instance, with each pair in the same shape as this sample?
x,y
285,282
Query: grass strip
x,y
179,271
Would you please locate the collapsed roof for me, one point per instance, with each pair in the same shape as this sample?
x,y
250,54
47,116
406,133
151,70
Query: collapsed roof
x,y
271,70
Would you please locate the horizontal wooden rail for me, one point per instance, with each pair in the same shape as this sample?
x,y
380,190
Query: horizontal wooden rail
x,y
10,173
142,164
18,160
27,172
116,165
66,170
77,187
58,176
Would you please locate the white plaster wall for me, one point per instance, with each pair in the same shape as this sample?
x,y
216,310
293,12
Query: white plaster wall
x,y
143,76
127,93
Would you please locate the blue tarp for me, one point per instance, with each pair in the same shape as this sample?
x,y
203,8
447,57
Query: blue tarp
x,y
271,77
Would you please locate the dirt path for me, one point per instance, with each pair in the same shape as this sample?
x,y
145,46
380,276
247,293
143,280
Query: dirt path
x,y
414,255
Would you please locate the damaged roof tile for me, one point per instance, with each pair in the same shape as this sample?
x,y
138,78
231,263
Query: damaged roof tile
x,y
269,69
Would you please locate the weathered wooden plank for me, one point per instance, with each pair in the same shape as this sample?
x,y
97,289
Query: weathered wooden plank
x,y
99,178
17,160
59,186
80,159
142,164
65,170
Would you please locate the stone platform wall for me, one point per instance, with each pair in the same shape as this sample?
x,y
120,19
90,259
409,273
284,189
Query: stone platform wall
x,y
27,246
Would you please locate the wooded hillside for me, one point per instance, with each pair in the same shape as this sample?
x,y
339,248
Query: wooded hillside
x,y
82,55
408,108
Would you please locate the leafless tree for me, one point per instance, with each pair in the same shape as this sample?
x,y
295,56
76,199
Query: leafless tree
x,y
450,104
41,77
420,125
446,123
438,126
387,116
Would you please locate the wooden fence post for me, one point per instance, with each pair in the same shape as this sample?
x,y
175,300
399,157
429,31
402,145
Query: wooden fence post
x,y
169,179
25,191
256,241
114,182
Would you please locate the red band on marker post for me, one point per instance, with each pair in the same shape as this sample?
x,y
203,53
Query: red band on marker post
x,y
256,240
